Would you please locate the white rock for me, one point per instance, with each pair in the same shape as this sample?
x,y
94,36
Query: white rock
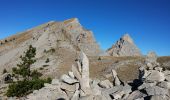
x,y
118,95
158,69
55,82
146,85
105,84
65,78
150,66
136,95
76,72
164,84
155,76
114,73
76,95
155,90
71,74
85,71
68,87
116,81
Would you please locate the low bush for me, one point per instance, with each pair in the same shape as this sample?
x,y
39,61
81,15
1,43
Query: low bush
x,y
22,88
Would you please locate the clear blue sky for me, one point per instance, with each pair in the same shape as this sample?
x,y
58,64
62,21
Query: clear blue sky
x,y
147,21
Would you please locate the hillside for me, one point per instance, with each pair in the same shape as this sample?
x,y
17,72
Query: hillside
x,y
80,70
58,41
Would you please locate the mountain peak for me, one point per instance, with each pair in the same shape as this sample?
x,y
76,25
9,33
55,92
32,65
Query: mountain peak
x,y
124,47
126,37
72,20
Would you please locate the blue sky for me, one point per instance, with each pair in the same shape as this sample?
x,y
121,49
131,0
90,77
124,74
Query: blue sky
x,y
147,21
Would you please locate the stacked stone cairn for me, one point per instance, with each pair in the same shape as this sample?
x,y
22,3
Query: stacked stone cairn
x,y
155,79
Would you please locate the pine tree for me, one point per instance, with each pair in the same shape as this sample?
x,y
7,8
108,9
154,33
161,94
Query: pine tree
x,y
31,79
23,68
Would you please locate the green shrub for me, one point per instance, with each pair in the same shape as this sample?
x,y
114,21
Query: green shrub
x,y
41,68
35,74
22,88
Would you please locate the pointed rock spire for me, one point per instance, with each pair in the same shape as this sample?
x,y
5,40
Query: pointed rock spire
x,y
124,47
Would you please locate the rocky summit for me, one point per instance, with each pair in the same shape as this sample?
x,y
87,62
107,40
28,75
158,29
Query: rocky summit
x,y
68,54
56,41
124,47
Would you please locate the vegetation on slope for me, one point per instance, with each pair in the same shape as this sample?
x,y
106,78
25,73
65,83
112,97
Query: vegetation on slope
x,y
27,80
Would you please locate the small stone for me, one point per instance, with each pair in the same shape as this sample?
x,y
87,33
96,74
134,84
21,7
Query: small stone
x,y
158,69
65,78
55,82
116,81
68,87
150,66
105,84
114,73
118,95
136,95
71,74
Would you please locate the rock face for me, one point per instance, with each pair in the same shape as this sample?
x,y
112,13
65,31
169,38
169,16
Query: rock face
x,y
58,41
124,47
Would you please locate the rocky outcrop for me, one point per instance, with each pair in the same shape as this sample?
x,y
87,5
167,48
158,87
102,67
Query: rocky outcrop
x,y
77,85
154,79
124,47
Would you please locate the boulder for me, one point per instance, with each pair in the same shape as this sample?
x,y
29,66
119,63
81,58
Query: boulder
x,y
135,95
65,78
84,61
151,58
146,85
55,82
164,84
155,76
67,87
160,69
76,95
114,73
167,75
116,81
156,97
117,95
105,84
88,97
96,90
155,90
106,92
83,74
76,72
